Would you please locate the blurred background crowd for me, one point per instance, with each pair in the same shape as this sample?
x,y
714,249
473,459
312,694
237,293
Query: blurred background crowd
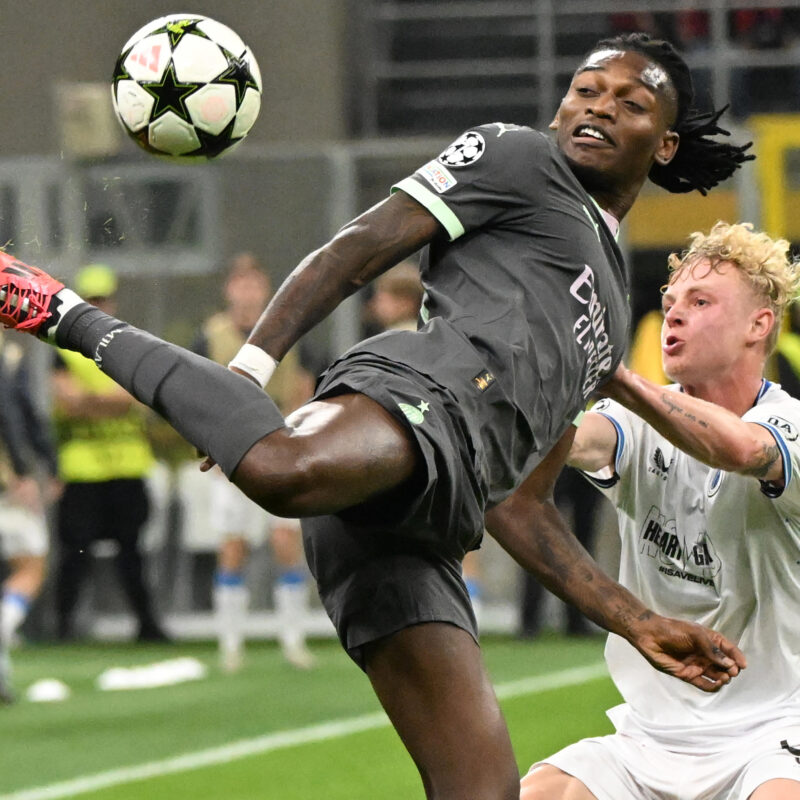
x,y
107,527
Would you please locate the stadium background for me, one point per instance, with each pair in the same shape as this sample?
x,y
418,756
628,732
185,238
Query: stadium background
x,y
357,94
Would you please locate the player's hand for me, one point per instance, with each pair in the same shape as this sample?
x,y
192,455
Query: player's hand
x,y
208,463
688,651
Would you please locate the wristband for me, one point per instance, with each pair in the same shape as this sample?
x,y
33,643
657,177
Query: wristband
x,y
257,363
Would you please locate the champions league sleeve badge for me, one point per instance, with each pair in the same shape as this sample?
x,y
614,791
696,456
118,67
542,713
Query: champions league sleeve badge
x,y
465,150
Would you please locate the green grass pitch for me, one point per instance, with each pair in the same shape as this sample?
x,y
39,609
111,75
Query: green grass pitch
x,y
45,746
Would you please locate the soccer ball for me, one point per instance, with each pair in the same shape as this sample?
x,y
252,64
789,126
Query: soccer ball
x,y
186,87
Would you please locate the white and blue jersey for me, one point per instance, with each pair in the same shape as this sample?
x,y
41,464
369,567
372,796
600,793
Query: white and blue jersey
x,y
719,548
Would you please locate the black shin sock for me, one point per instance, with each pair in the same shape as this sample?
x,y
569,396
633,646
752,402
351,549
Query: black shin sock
x,y
219,412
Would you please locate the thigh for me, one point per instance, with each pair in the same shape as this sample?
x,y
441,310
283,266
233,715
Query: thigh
x,y
431,681
79,516
22,532
332,454
771,765
546,782
777,789
129,494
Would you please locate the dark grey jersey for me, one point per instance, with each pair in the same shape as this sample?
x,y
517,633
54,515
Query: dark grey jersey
x,y
530,279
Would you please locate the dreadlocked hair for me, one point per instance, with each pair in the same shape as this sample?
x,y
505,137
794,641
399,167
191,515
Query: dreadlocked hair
x,y
700,162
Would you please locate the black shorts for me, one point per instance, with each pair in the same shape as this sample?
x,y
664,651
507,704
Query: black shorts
x,y
374,583
443,505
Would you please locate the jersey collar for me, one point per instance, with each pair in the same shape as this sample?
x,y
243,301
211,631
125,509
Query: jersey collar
x,y
612,223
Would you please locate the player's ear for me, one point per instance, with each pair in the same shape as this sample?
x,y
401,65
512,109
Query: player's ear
x,y
761,323
554,124
667,148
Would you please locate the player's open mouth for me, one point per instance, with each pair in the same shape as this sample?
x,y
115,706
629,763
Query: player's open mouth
x,y
591,133
671,344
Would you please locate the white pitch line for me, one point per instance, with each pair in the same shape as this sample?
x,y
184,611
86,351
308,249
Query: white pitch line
x,y
281,740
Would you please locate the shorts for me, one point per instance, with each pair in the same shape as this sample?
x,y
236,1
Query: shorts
x,y
373,583
622,767
22,532
444,503
232,514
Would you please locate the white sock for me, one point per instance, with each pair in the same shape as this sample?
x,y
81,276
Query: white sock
x,y
291,606
13,610
231,600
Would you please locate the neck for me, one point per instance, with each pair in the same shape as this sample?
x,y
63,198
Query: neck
x,y
736,392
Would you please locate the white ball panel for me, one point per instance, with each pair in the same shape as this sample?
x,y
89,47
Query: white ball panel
x,y
248,111
212,107
197,59
148,58
144,30
173,135
227,38
134,105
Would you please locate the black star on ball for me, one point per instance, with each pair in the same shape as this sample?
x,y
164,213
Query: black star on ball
x,y
239,75
170,95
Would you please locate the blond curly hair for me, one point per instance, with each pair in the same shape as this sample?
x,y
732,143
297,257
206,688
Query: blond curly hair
x,y
765,262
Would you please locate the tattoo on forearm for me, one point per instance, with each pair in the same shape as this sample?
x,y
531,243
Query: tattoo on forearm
x,y
674,408
768,456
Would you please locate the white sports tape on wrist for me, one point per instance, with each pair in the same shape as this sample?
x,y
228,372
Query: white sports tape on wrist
x,y
255,362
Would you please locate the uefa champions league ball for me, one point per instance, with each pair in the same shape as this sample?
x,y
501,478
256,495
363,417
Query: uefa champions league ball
x,y
186,87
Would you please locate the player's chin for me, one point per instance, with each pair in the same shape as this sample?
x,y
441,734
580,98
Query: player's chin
x,y
594,168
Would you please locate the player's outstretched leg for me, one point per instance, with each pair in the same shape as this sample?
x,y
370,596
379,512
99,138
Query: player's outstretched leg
x,y
219,412
432,683
337,453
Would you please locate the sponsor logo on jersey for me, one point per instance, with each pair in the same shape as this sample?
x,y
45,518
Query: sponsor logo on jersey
x,y
483,380
788,431
465,150
590,331
414,414
437,176
659,465
601,405
695,561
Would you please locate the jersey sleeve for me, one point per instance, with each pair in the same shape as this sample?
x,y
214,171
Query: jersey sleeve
x,y
782,420
488,172
610,481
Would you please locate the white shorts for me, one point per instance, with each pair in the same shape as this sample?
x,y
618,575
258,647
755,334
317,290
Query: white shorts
x,y
233,515
215,510
22,531
621,767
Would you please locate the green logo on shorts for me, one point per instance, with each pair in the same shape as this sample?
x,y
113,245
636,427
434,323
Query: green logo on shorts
x,y
414,414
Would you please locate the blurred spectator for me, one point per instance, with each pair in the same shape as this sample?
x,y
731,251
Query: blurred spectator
x,y
103,458
396,299
238,523
787,354
27,464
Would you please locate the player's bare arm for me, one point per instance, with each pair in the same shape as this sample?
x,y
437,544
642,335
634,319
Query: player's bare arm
x,y
706,431
529,527
594,445
363,249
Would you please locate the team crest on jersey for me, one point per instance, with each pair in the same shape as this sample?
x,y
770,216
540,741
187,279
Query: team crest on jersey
x,y
601,405
465,150
788,431
414,414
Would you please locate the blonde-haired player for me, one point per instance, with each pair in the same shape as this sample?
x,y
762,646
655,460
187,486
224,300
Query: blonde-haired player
x,y
706,480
